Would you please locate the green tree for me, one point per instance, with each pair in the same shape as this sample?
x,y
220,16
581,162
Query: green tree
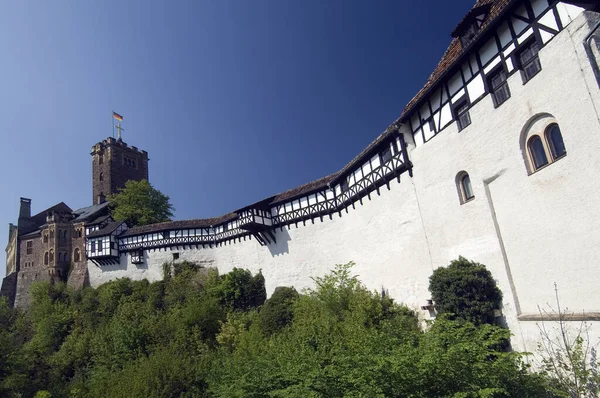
x,y
277,312
467,290
139,204
239,290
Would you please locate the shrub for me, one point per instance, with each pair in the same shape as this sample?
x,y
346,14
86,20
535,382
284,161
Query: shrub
x,y
277,312
467,290
239,290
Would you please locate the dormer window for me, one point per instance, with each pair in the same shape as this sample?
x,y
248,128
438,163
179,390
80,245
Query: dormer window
x,y
469,27
467,37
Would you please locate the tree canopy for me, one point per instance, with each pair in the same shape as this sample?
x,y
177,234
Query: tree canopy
x,y
139,203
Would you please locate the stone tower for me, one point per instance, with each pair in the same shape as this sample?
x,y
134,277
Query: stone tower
x,y
113,164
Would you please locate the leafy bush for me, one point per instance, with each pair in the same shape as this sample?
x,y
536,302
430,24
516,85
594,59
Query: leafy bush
x,y
239,290
466,290
277,312
196,334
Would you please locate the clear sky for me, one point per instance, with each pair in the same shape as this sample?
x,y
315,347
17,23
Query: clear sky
x,y
234,101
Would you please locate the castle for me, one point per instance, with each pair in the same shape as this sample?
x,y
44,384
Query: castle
x,y
495,159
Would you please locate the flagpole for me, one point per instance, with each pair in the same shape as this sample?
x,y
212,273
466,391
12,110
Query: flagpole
x,y
112,121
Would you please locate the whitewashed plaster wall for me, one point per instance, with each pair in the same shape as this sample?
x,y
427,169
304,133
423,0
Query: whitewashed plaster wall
x,y
384,236
547,221
530,230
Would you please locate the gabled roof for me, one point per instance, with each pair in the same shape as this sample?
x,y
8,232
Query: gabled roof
x,y
36,221
99,220
108,229
478,9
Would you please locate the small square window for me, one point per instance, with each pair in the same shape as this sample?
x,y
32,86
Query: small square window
x,y
386,155
462,116
499,87
175,256
529,61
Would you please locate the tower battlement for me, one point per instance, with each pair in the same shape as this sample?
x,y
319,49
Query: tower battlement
x,y
111,141
113,164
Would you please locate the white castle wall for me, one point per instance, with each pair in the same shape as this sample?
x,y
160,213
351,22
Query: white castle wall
x,y
530,230
384,236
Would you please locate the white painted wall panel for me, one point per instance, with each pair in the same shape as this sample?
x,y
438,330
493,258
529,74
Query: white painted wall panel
x,y
525,36
476,88
455,83
458,96
418,137
509,50
509,65
504,34
568,12
546,36
446,115
488,51
549,20
492,65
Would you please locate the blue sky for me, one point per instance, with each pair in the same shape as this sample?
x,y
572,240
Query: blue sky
x,y
233,100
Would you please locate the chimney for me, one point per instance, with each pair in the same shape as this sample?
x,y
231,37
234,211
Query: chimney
x,y
25,211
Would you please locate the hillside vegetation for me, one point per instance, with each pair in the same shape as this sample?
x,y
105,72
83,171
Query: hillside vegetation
x,y
198,334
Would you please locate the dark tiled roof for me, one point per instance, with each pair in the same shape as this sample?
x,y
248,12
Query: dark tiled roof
x,y
99,220
108,229
183,224
455,51
88,213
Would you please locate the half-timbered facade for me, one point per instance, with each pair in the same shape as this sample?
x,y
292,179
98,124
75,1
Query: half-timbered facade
x,y
495,159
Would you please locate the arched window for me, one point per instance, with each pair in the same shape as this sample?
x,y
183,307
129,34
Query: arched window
x,y
101,177
46,258
555,141
541,142
76,255
464,187
537,152
66,257
60,257
51,256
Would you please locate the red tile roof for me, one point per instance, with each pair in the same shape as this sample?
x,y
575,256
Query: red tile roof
x,y
455,51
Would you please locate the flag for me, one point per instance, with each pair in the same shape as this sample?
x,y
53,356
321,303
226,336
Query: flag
x,y
117,116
